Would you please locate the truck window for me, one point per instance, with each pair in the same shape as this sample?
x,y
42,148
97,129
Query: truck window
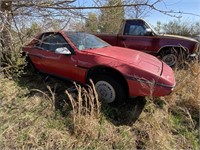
x,y
135,27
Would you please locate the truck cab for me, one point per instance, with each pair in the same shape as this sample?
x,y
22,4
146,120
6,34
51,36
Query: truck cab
x,y
139,35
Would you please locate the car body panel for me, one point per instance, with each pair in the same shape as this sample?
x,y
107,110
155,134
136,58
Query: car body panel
x,y
141,71
151,43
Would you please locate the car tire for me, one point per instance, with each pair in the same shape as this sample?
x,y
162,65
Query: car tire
x,y
110,89
30,66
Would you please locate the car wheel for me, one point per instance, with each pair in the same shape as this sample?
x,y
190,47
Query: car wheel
x,y
110,90
30,66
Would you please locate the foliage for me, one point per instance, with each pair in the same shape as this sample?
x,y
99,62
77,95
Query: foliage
x,y
38,113
15,14
26,34
110,19
13,65
5,37
158,26
178,27
103,21
91,24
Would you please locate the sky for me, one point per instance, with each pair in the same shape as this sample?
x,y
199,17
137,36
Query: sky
x,y
186,6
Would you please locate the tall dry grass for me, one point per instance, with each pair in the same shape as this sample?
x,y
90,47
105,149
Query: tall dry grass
x,y
187,91
30,120
183,108
85,109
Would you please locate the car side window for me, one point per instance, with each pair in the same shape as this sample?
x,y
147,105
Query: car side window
x,y
52,41
135,27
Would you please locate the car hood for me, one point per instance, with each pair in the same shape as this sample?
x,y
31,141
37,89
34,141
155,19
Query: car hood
x,y
132,57
180,37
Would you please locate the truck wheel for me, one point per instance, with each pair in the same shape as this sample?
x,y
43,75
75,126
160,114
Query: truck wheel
x,y
110,90
174,57
170,57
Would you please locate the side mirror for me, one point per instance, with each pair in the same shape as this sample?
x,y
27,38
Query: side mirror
x,y
148,31
62,50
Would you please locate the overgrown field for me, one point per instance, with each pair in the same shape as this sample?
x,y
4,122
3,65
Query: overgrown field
x,y
36,112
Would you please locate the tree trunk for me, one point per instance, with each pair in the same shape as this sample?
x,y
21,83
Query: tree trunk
x,y
5,29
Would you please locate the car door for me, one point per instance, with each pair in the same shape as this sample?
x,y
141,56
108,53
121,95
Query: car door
x,y
35,53
135,37
62,65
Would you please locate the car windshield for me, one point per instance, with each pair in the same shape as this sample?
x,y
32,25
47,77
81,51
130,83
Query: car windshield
x,y
85,41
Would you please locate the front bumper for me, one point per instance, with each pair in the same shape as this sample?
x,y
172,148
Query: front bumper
x,y
138,88
161,86
196,54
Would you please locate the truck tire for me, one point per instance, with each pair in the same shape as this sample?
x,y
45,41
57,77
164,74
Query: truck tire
x,y
110,90
170,59
174,57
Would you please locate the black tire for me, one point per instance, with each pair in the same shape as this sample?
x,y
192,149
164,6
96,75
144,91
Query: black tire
x,y
110,89
169,57
174,57
30,66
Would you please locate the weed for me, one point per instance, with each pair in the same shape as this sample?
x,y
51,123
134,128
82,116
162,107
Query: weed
x,y
39,113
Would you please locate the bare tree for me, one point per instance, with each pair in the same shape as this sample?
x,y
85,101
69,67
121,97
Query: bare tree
x,y
138,11
15,15
6,19
180,27
12,13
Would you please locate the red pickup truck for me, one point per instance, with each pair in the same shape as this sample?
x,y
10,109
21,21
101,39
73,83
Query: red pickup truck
x,y
137,34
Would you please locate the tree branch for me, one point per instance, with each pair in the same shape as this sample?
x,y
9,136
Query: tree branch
x,y
68,7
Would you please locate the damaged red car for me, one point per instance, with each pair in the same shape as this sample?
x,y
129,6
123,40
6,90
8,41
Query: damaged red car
x,y
117,72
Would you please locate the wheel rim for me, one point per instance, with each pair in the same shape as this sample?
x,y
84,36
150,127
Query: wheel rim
x,y
105,91
170,59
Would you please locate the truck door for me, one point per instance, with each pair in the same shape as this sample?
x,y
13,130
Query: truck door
x,y
135,36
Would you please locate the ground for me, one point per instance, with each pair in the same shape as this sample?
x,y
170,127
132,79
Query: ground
x,y
37,112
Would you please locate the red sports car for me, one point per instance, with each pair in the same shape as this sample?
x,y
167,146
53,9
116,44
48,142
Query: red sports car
x,y
116,72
